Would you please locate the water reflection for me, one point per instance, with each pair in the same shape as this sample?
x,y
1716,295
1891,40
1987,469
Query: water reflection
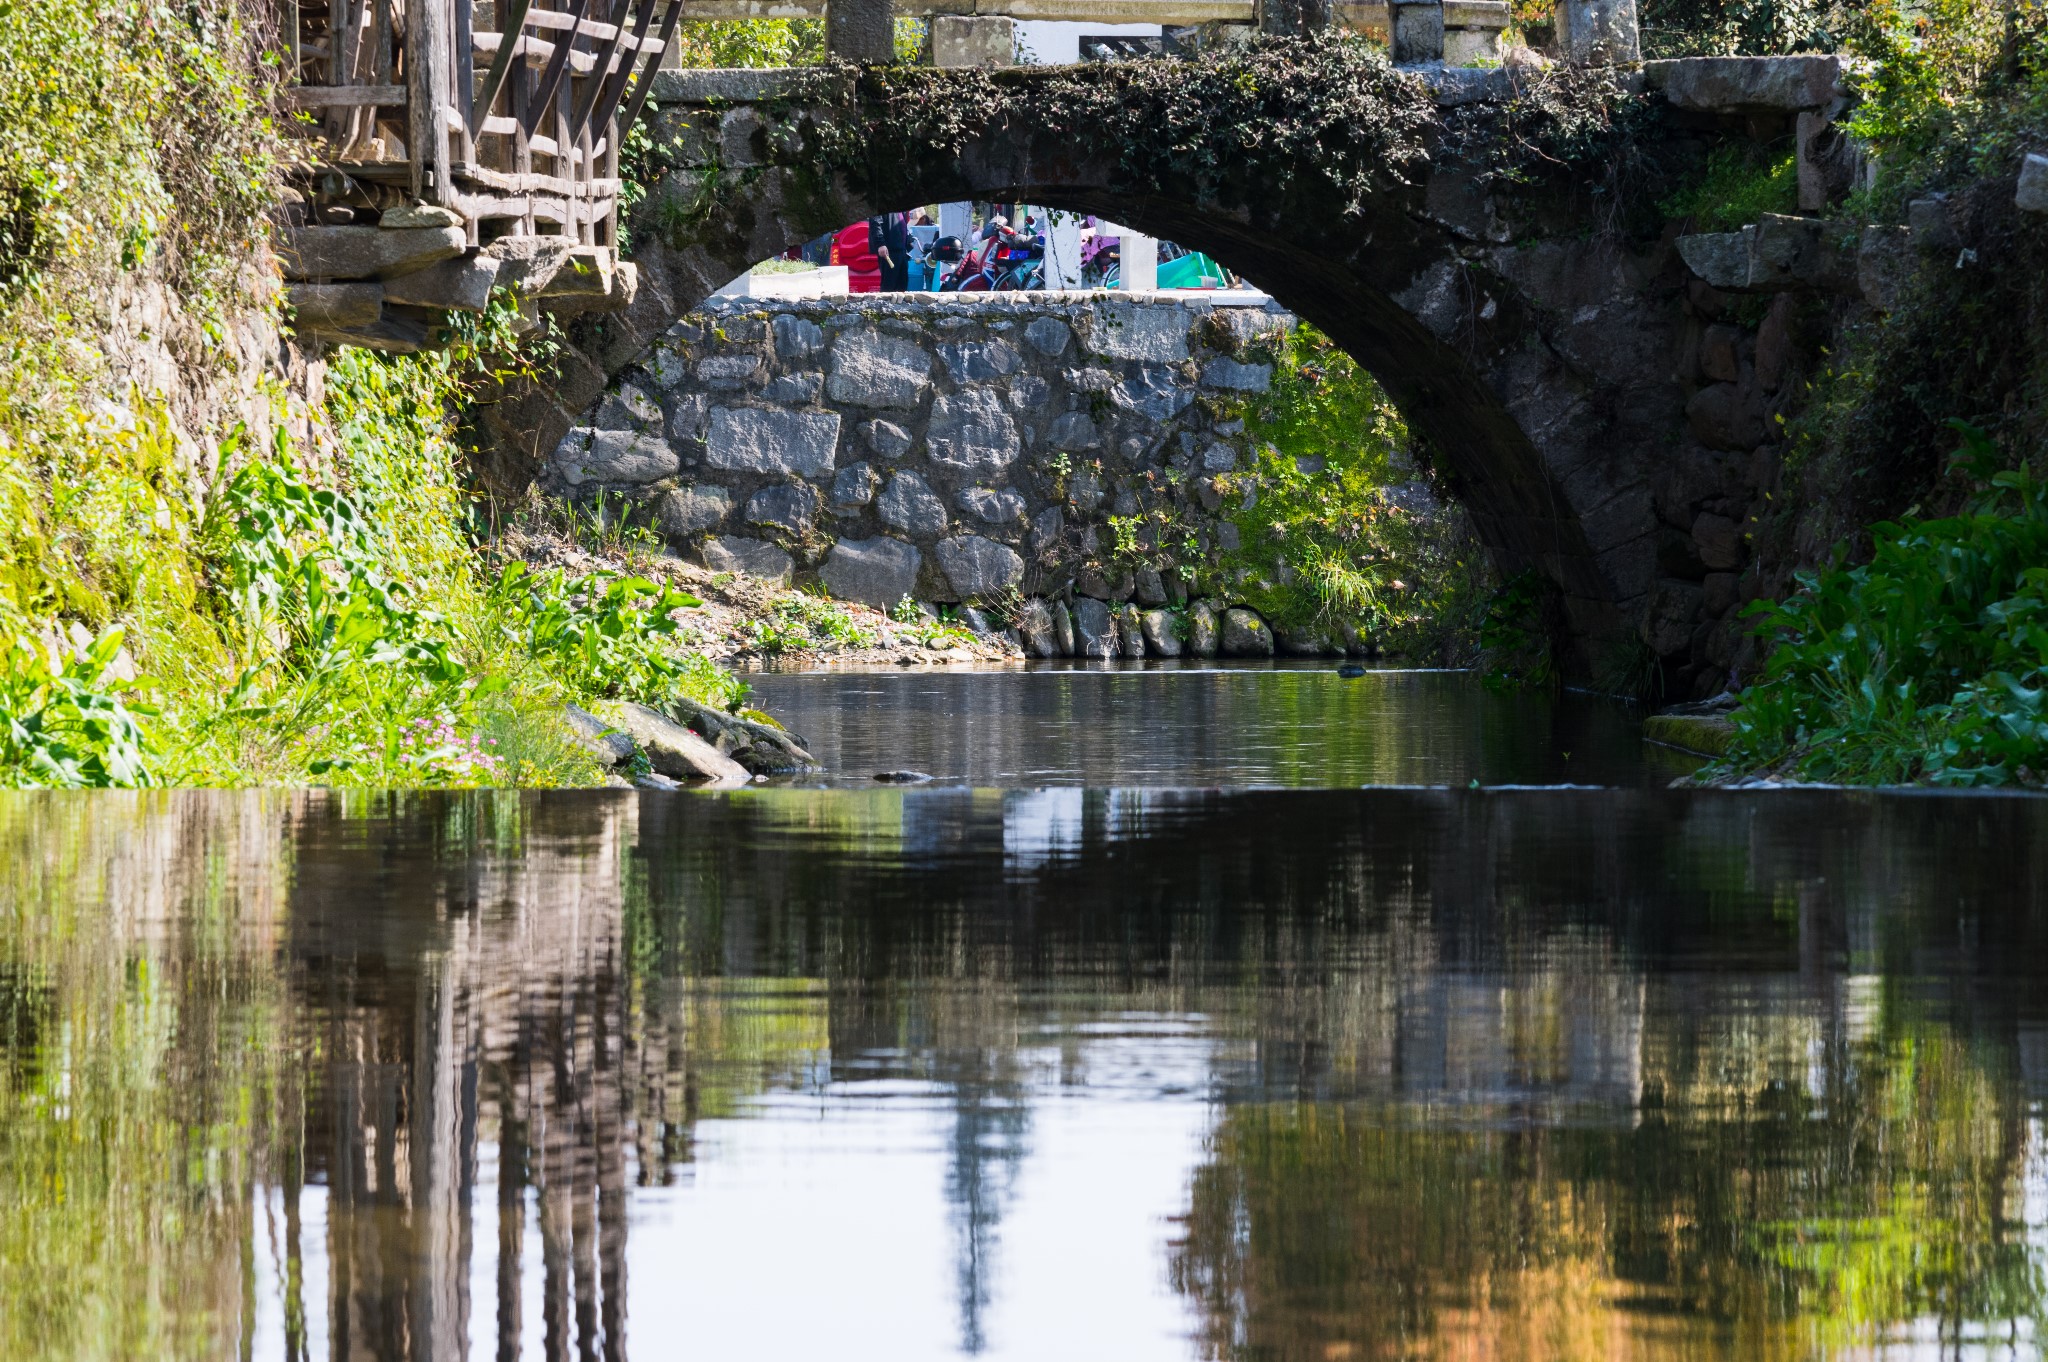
x,y
1024,1074
1218,724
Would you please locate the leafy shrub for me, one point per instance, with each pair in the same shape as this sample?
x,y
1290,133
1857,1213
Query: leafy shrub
x,y
62,718
1735,187
1930,662
1333,527
604,633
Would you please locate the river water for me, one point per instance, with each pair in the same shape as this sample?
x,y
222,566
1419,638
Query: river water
x,y
1037,1073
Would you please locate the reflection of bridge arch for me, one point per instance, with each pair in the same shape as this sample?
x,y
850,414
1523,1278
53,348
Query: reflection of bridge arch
x,y
1532,369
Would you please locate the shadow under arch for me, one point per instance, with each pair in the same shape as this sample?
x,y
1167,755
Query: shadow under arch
x,y
1386,280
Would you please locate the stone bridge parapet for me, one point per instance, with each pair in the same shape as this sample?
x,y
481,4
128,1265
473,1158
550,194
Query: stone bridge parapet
x,y
1551,362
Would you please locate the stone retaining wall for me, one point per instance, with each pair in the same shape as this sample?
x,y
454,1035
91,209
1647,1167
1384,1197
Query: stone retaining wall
x,y
954,451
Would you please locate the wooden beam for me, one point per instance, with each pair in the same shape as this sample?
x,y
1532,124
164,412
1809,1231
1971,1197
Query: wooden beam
x,y
501,65
594,90
343,96
645,84
551,78
615,85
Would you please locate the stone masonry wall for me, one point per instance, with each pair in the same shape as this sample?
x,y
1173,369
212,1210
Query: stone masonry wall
x,y
970,451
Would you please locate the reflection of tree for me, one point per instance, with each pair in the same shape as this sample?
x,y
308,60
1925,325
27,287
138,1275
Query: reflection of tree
x,y
1768,1215
1683,1064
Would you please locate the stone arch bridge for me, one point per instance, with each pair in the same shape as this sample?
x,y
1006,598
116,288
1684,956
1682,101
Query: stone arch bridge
x,y
1554,366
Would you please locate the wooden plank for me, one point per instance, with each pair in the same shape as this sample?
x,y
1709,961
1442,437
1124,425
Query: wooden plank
x,y
551,78
343,96
615,85
501,65
638,99
594,90
481,207
571,20
531,183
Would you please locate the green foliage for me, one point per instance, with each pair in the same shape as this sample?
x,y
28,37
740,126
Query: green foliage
x,y
1930,662
1325,537
1736,187
1514,639
603,634
1327,114
1755,28
798,623
63,720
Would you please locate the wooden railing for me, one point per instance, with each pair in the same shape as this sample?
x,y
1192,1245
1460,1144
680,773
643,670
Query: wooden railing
x,y
505,113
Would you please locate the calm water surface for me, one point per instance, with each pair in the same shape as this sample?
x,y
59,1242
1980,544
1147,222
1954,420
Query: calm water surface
x,y
1205,725
1036,1074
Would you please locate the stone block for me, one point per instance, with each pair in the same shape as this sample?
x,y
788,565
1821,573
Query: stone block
x,y
995,506
887,439
980,361
978,568
1153,392
796,390
854,487
628,407
1094,630
1153,334
1204,631
585,275
1046,528
1029,392
1471,46
1747,85
686,511
1222,372
413,215
909,504
625,456
971,435
1727,416
757,440
960,40
1720,356
727,372
1672,613
335,307
364,252
755,558
1063,629
1160,638
796,338
529,263
1245,634
604,742
678,753
460,285
1130,631
1719,258
1147,587
1774,344
1073,431
1049,336
873,370
792,507
2032,195
1720,542
741,137
1418,32
878,572
1933,229
1035,629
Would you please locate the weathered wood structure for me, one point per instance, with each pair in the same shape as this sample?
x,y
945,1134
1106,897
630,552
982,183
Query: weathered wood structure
x,y
460,145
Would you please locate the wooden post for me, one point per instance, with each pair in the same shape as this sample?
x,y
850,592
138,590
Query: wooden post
x,y
421,114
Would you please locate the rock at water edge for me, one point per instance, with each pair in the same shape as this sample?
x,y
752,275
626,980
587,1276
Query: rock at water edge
x,y
753,557
1203,634
1245,634
1094,630
1035,627
978,567
600,739
1159,634
1130,629
676,752
878,572
1063,628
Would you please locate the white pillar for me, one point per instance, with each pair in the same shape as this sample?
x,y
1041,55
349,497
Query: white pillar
x,y
1062,249
1138,261
956,219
